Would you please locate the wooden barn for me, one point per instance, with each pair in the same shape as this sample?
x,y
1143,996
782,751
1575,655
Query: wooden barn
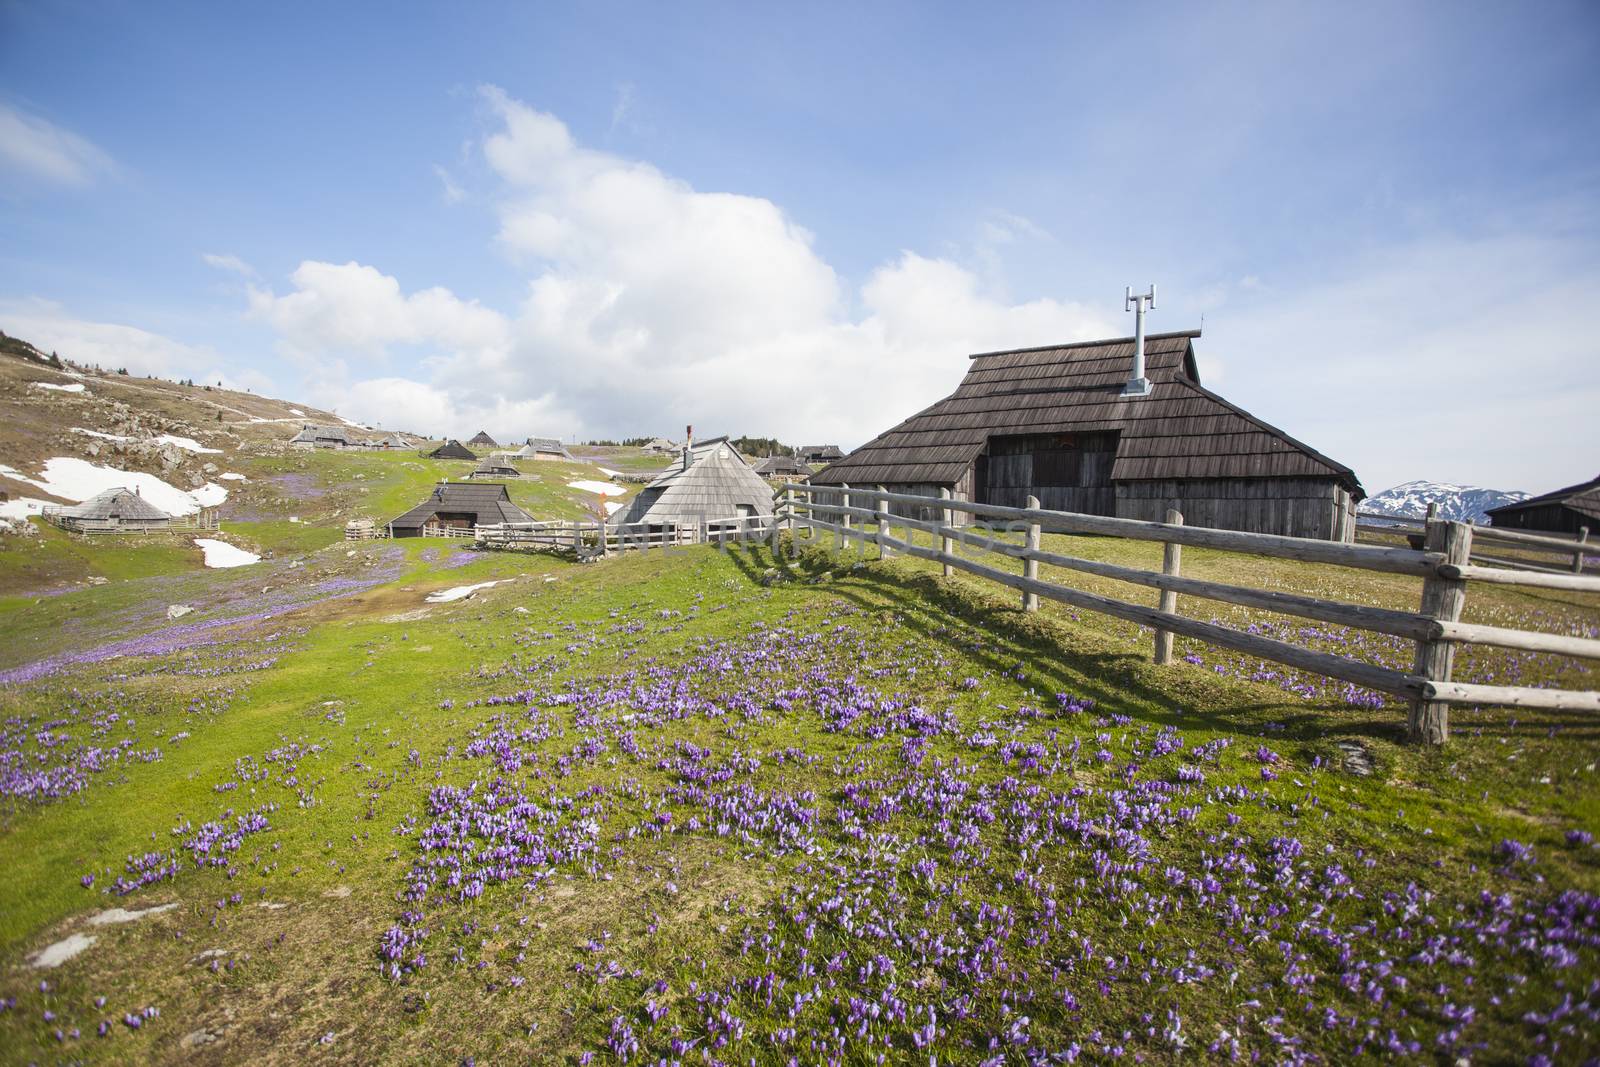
x,y
452,449
482,440
820,453
783,467
460,506
113,511
494,467
312,437
545,448
1063,424
710,482
1564,511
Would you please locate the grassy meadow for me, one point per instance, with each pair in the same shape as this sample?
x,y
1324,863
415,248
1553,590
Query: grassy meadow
x,y
744,806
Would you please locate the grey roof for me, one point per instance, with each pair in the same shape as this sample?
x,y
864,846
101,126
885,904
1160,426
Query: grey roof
x,y
545,446
496,468
821,451
483,440
659,444
716,481
452,449
311,434
123,504
486,502
1584,498
1178,430
781,465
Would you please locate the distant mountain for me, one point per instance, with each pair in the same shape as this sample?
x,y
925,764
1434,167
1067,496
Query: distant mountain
x,y
1460,502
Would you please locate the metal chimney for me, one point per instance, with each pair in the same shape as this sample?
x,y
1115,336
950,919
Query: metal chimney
x,y
1138,385
688,444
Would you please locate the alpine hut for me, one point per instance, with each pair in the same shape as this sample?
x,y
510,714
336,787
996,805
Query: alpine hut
x,y
545,448
482,440
782,467
495,466
1566,511
312,437
1082,429
820,453
711,487
452,449
459,506
112,511
660,446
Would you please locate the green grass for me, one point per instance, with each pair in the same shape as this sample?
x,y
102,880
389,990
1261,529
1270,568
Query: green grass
x,y
382,683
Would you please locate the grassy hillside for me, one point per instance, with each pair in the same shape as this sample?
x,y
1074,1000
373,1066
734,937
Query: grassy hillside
x,y
728,807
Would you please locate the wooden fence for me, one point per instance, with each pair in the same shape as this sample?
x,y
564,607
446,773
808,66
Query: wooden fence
x,y
589,540
1443,563
1572,550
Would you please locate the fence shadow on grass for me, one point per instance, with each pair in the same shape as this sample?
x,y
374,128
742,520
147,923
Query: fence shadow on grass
x,y
1054,659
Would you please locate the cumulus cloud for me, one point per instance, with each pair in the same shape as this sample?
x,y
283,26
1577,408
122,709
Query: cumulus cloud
x,y
51,327
37,148
650,304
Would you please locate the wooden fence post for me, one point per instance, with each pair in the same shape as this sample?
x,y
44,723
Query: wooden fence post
x,y
1030,566
1577,557
946,545
883,526
1442,599
1171,563
844,520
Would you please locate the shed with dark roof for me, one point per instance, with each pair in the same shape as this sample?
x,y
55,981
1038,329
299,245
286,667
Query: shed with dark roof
x,y
1056,424
1565,511
460,506
452,449
483,440
782,467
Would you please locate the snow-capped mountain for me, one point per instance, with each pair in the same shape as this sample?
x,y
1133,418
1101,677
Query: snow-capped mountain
x,y
1460,502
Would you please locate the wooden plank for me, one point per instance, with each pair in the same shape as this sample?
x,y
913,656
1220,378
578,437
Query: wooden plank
x,y
1428,721
1556,544
1518,564
1577,583
1512,695
1362,674
1030,559
1171,558
946,544
1529,640
1362,557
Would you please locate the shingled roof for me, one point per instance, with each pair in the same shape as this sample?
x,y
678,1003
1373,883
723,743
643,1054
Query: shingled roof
x,y
544,446
122,504
451,449
715,482
1179,430
483,440
1584,498
487,502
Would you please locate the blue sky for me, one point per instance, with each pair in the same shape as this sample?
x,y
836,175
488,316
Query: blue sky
x,y
616,219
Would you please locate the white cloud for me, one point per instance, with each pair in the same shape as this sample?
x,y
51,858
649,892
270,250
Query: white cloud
x,y
453,193
50,327
650,304
230,263
38,148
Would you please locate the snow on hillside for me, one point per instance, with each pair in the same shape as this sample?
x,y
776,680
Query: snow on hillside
x,y
76,479
1460,502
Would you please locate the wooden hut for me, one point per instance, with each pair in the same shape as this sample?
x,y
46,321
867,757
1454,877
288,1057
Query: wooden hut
x,y
460,506
495,467
1566,511
820,453
784,467
113,511
452,449
710,485
660,446
313,437
482,440
1060,424
545,448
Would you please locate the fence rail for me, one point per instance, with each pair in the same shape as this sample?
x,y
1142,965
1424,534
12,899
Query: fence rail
x,y
589,540
1443,562
1575,550
205,519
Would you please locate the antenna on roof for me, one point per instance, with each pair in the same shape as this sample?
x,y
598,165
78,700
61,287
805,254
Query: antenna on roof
x,y
1138,385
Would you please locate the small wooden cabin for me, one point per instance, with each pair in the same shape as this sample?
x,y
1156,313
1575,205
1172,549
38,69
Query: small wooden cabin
x,y
452,449
1564,511
482,440
545,448
460,506
113,511
313,437
783,467
1057,424
820,453
710,486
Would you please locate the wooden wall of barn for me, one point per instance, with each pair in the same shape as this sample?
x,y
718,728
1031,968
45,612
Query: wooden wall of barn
x,y
1293,507
1545,518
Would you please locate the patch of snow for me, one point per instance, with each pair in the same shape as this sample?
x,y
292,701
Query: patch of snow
x,y
602,488
609,473
210,495
75,387
221,554
297,411
99,434
121,915
21,507
188,444
77,479
232,477
461,592
613,506
62,951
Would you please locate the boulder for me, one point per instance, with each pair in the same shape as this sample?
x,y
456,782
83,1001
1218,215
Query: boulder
x,y
178,611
